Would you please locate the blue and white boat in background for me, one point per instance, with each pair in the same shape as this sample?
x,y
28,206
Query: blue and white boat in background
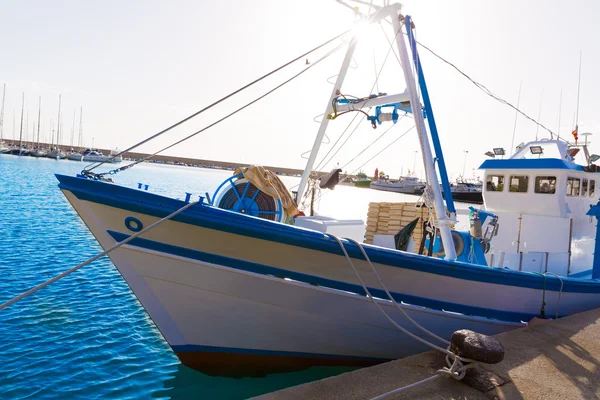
x,y
234,291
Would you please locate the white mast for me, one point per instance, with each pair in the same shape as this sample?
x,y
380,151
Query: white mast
x,y
39,122
2,115
79,143
325,122
442,222
58,123
21,130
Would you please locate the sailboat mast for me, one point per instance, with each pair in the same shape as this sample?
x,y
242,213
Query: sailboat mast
x,y
39,119
73,129
21,130
2,114
80,128
58,122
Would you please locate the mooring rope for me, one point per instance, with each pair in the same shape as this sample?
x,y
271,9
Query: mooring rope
x,y
457,366
97,256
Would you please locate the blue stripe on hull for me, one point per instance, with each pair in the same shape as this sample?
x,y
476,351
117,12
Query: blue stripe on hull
x,y
240,224
315,280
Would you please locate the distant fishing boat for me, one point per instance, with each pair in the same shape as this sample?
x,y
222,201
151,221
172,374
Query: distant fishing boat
x,y
405,184
362,180
467,192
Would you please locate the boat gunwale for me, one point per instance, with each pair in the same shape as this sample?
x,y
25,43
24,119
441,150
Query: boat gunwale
x,y
214,218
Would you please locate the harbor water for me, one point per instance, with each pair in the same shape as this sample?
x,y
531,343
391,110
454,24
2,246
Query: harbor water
x,y
86,336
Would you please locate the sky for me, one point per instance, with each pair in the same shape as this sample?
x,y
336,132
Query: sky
x,y
136,67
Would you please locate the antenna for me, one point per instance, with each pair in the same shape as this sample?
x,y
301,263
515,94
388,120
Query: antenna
x,y
559,112
516,116
539,115
576,131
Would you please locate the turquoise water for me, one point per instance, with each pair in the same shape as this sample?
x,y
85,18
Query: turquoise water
x,y
86,336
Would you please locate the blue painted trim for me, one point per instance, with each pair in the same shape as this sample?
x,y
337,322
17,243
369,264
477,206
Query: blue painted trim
x,y
316,280
531,163
430,119
582,274
188,348
134,228
228,221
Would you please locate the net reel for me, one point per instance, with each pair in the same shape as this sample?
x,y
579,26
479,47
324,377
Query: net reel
x,y
240,195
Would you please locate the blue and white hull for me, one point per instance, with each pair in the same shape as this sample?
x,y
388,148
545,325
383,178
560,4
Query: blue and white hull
x,y
238,295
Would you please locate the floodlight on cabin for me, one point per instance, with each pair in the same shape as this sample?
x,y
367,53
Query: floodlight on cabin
x,y
572,152
499,151
490,154
536,150
594,157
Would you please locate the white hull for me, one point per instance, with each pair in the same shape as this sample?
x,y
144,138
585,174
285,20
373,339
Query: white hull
x,y
398,188
202,307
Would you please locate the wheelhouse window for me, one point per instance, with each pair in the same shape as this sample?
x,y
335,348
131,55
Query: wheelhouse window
x,y
545,184
573,186
592,187
518,183
584,187
495,183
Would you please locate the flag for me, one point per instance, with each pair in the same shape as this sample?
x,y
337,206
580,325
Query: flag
x,y
574,133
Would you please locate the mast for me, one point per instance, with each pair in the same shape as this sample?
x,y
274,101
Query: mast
x,y
58,122
443,222
2,115
21,130
325,122
80,128
39,119
73,130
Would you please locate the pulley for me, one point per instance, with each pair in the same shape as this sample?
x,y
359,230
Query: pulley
x,y
240,195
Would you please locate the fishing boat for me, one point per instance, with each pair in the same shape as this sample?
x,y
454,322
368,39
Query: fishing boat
x,y
239,283
405,184
467,192
362,180
91,155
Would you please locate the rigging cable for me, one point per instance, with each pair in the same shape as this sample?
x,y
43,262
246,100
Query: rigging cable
x,y
221,100
487,91
112,172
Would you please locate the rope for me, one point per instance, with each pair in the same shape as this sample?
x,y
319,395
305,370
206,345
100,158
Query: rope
x,y
222,99
112,172
97,256
410,334
456,369
399,307
543,309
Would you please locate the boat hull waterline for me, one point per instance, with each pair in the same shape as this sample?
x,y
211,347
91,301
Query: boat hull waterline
x,y
227,316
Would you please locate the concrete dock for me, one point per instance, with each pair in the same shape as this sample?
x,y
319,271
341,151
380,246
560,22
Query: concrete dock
x,y
551,360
